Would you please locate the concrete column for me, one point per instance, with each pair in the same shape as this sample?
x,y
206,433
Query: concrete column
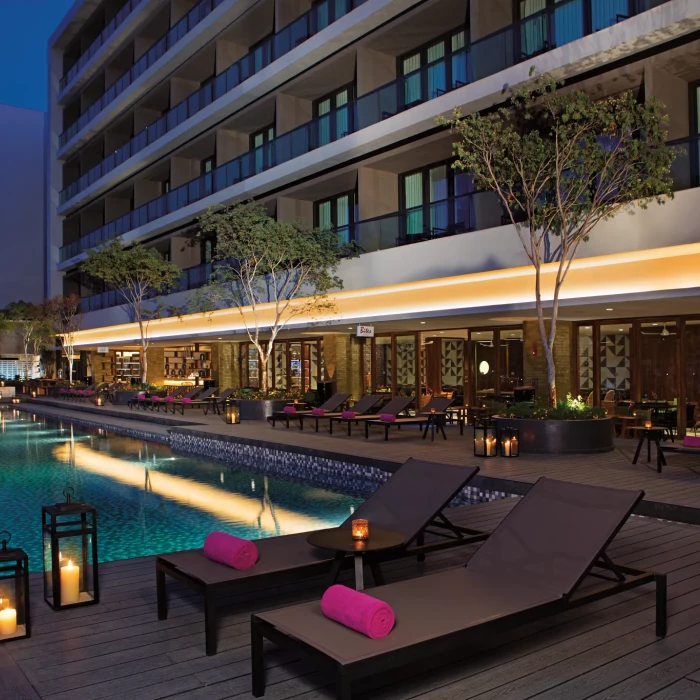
x,y
488,17
290,210
374,69
535,364
292,112
338,362
156,365
226,365
673,92
286,11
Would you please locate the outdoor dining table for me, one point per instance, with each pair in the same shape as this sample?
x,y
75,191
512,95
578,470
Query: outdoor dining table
x,y
653,434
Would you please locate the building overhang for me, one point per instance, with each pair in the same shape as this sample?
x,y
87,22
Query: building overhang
x,y
659,271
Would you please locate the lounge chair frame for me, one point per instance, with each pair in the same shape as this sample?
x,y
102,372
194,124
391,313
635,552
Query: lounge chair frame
x,y
625,578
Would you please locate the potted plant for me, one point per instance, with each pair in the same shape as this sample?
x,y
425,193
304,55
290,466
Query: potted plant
x,y
568,427
254,404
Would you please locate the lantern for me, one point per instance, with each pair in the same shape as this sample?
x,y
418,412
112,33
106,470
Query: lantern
x,y
647,424
485,442
360,529
15,399
232,413
69,532
14,591
510,442
33,393
99,400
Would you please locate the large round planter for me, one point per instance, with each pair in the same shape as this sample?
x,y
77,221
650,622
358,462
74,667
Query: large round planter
x,y
122,398
562,436
259,409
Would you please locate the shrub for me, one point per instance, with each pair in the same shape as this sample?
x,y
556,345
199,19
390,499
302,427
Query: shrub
x,y
567,409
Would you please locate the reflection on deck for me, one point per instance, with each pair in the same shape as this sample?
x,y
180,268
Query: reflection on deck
x,y
258,512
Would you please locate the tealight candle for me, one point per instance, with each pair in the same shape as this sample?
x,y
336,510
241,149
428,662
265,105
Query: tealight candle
x,y
360,529
70,584
647,424
8,619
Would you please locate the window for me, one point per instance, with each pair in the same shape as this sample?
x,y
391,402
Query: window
x,y
437,201
165,186
333,114
441,73
206,165
338,212
541,31
261,53
261,145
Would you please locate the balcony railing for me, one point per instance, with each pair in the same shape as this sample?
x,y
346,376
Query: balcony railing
x,y
298,31
97,44
427,83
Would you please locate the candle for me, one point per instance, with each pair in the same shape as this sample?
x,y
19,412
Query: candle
x,y
490,446
8,619
647,424
360,529
506,448
70,584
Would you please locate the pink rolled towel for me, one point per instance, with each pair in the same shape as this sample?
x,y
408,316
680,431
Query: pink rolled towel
x,y
230,550
170,398
348,414
186,400
155,398
290,409
71,391
318,412
141,396
691,441
372,617
387,417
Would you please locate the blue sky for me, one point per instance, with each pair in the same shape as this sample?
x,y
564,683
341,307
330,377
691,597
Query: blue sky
x,y
25,28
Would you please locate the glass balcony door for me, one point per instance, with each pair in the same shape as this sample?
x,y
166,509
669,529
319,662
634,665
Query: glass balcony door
x,y
263,148
333,114
339,213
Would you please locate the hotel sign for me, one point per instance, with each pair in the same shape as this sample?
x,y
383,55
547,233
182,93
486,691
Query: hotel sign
x,y
102,349
365,332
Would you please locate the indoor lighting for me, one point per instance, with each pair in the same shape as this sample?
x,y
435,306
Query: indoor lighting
x,y
609,309
484,367
423,323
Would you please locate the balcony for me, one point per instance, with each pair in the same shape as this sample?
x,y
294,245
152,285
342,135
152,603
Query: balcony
x,y
309,24
98,43
543,31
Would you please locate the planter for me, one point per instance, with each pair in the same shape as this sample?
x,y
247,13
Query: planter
x,y
122,398
259,409
562,436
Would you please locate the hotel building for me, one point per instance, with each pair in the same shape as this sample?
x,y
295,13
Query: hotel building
x,y
326,111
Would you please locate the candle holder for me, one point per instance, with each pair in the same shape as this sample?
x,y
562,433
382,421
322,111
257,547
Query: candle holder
x,y
485,441
99,400
33,393
14,592
360,530
510,442
647,424
232,414
15,399
69,532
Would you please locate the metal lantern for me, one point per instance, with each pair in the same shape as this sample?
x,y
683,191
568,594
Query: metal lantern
x,y
69,532
15,399
33,393
510,442
14,591
232,414
99,400
485,442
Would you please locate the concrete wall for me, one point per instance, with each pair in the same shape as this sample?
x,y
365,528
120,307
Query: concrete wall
x,y
378,192
673,92
292,112
289,209
374,69
22,149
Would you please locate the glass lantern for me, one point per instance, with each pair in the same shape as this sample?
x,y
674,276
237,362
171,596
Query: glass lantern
x,y
14,592
510,442
485,442
232,414
69,532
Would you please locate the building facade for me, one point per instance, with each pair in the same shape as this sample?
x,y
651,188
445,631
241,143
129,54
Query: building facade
x,y
326,111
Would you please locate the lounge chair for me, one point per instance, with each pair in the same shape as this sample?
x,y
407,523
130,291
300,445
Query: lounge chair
x,y
190,394
394,407
364,406
411,501
331,407
531,566
431,415
202,400
216,402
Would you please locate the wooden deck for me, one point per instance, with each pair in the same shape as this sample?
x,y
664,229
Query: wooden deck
x,y
118,649
673,495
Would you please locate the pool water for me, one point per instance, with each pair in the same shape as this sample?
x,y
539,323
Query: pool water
x,y
149,500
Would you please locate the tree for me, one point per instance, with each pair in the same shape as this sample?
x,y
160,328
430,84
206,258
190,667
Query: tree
x,y
260,261
140,274
30,324
64,319
560,163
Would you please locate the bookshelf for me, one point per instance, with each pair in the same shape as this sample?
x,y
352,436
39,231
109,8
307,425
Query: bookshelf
x,y
182,363
127,365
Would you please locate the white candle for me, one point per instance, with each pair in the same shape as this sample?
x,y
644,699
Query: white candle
x,y
70,584
8,621
506,448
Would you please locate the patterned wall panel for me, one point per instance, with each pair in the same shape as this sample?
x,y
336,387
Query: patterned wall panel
x,y
615,362
585,363
405,362
452,362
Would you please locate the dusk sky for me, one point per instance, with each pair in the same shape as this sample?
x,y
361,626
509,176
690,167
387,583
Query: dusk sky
x,y
25,27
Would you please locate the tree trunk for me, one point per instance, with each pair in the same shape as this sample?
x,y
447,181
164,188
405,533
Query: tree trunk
x,y
144,365
69,357
263,366
544,337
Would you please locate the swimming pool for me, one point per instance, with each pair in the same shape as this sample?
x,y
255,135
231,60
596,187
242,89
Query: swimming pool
x,y
149,500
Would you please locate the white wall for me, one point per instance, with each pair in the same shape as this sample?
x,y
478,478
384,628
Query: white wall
x,y
22,134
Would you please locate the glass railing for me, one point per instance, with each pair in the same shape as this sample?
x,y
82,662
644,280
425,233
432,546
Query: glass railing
x,y
431,81
97,44
310,23
686,166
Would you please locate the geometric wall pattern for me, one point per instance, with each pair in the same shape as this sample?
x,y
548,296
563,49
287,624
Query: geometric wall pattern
x,y
405,362
585,363
452,362
615,362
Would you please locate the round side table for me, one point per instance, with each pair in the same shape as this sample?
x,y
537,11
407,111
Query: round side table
x,y
339,539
